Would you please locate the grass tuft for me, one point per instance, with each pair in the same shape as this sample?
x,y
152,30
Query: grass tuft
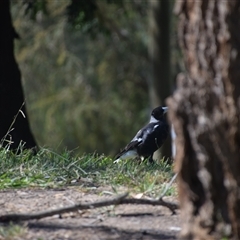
x,y
49,169
12,232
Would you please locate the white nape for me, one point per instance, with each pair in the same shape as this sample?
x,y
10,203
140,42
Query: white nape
x,y
165,109
153,120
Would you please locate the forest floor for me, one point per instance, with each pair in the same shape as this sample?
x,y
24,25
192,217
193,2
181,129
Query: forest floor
x,y
48,180
115,222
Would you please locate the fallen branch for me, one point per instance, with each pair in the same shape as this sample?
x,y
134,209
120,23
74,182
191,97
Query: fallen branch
x,y
158,202
121,199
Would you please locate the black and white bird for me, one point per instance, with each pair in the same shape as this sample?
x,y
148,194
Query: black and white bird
x,y
148,139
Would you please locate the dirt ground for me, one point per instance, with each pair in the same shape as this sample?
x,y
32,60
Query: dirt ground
x,y
119,222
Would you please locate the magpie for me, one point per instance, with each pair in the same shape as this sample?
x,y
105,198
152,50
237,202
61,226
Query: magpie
x,y
148,139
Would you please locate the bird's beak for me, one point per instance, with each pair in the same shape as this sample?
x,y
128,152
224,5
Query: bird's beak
x,y
165,109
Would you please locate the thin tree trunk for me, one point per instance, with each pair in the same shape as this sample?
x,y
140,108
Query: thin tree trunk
x,y
11,93
160,85
205,114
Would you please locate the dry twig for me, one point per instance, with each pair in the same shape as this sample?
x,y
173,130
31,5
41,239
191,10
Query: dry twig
x,y
120,199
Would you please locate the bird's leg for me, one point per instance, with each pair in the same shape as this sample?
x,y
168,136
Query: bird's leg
x,y
138,159
150,159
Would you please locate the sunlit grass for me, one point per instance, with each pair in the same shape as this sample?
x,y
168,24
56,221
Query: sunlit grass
x,y
49,169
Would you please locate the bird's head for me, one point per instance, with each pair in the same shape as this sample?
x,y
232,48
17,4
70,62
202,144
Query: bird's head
x,y
157,113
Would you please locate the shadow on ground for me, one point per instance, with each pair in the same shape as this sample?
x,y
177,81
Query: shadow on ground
x,y
98,232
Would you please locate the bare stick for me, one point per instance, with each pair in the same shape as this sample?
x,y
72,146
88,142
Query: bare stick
x,y
11,125
121,199
23,217
154,202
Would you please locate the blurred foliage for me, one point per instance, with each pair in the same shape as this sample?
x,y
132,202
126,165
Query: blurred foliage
x,y
82,14
35,6
84,75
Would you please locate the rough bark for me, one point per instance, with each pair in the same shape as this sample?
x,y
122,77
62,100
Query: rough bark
x,y
205,114
11,93
160,84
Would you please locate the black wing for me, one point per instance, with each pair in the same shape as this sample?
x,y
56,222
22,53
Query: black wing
x,y
132,145
139,138
153,136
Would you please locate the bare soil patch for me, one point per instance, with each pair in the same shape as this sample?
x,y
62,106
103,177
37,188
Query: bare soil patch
x,y
114,222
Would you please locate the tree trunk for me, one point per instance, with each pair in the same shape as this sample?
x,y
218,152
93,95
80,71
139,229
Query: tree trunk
x,y
160,85
205,114
11,93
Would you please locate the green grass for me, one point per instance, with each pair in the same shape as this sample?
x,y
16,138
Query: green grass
x,y
12,231
49,169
